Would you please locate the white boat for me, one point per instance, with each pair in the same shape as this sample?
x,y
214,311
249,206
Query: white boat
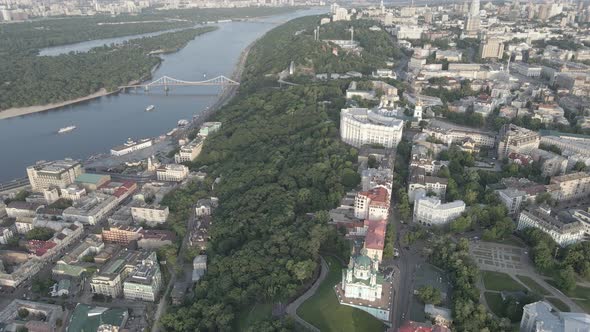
x,y
66,129
182,122
150,108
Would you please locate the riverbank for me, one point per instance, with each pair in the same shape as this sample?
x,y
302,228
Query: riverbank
x,y
20,111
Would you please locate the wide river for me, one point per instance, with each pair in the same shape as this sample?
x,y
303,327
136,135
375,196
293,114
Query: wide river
x,y
108,121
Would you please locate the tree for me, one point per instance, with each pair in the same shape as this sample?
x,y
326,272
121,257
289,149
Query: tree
x,y
40,233
429,295
23,313
372,162
460,224
566,279
389,246
580,166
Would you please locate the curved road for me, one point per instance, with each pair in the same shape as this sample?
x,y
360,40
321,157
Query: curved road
x,y
293,306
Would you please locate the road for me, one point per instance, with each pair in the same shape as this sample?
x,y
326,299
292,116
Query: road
x,y
179,262
293,306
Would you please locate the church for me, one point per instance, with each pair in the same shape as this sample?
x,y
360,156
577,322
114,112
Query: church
x,y
364,287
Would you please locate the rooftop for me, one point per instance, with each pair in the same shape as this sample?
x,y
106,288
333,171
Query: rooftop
x,y
86,318
90,178
375,238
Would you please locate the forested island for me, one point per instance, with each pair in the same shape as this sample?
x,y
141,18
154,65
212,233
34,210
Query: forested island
x,y
33,80
27,79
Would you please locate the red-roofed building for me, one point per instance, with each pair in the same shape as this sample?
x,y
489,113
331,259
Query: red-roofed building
x,y
411,326
120,190
372,204
519,158
40,248
375,238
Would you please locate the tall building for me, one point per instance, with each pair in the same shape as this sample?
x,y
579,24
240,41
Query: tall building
x,y
360,126
58,173
492,48
513,138
472,24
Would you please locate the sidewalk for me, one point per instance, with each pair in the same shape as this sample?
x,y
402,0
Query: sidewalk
x,y
293,306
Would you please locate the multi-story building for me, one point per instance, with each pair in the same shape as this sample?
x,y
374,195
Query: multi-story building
x,y
145,281
360,126
151,215
189,152
451,133
6,234
205,206
570,186
41,316
551,163
431,184
512,198
472,25
540,317
131,146
373,177
513,138
172,172
121,234
372,204
208,128
562,227
432,212
91,209
109,281
493,48
59,173
199,267
375,238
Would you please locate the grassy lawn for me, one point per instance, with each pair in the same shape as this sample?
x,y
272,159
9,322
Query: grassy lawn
x,y
585,304
498,281
259,311
325,312
495,303
511,241
558,304
533,285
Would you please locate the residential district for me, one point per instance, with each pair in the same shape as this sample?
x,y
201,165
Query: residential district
x,y
490,103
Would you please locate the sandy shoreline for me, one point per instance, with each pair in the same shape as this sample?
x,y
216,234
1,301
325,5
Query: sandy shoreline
x,y
14,112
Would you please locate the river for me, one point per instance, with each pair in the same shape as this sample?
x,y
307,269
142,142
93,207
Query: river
x,y
108,121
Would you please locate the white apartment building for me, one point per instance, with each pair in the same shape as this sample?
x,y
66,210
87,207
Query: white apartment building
x,y
430,184
513,138
450,133
512,198
131,146
91,209
570,186
145,281
189,151
360,126
563,228
59,173
152,215
5,235
109,281
172,172
432,212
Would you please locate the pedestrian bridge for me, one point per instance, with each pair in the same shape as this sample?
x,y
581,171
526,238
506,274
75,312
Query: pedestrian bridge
x,y
168,82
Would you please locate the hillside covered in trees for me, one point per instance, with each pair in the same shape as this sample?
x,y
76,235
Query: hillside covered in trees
x,y
279,157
